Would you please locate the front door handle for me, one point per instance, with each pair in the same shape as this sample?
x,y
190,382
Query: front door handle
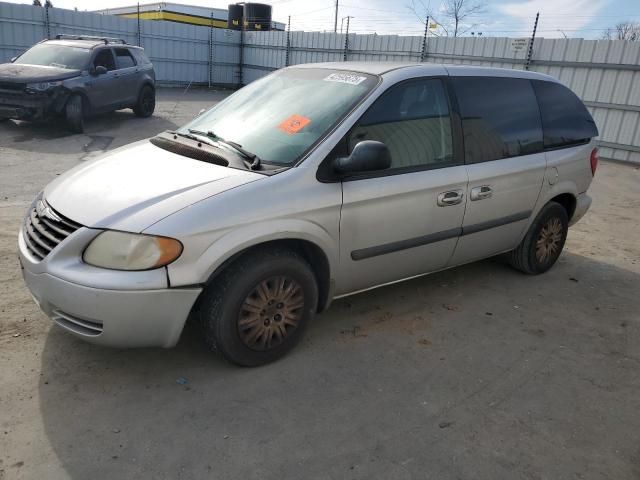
x,y
453,197
480,193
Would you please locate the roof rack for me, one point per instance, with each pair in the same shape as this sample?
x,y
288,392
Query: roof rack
x,y
106,40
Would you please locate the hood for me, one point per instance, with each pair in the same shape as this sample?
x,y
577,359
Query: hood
x,y
15,72
135,186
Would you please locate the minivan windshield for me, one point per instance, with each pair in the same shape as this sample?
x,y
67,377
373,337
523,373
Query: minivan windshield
x,y
279,117
51,55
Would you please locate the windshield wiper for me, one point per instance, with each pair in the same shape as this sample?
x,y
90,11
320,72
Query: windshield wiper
x,y
254,160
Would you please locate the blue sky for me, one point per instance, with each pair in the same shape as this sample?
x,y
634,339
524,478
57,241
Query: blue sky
x,y
512,18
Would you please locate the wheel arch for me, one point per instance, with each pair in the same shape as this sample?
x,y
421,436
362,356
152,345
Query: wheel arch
x,y
312,253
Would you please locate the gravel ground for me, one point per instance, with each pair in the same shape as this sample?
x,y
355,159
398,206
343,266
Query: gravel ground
x,y
477,372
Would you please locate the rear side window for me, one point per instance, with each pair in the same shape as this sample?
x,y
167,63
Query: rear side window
x,y
124,59
500,117
565,119
412,119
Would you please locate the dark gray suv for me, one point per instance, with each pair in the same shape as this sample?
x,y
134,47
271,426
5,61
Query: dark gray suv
x,y
74,77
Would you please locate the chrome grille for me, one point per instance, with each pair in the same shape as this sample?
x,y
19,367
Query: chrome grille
x,y
44,229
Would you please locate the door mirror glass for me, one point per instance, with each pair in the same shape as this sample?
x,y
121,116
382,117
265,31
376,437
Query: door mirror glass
x,y
100,70
367,156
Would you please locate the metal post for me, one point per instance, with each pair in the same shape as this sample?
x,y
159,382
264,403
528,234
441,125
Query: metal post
x,y
335,21
423,52
47,21
286,57
139,32
533,37
241,56
211,51
346,40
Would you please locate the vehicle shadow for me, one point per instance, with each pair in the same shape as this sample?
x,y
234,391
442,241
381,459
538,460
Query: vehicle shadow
x,y
480,363
112,129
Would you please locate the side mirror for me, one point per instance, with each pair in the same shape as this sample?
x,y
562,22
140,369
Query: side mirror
x,y
367,156
99,70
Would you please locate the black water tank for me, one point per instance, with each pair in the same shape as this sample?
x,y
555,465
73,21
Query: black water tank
x,y
257,16
234,21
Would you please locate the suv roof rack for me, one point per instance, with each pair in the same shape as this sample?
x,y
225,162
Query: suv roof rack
x,y
106,40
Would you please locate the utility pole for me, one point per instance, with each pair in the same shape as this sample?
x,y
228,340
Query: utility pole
x,y
335,22
533,37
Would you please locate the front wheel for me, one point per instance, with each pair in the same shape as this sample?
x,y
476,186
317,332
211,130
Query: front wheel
x,y
258,308
544,241
146,102
75,114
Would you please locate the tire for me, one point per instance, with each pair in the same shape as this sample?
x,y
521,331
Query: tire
x,y
258,308
74,111
543,243
146,103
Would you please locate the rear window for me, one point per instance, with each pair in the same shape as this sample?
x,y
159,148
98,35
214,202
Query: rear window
x,y
124,59
565,119
500,117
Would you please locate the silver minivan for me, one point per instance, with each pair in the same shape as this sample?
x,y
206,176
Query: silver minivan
x,y
315,182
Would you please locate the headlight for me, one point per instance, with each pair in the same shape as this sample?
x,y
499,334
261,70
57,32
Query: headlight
x,y
42,86
131,251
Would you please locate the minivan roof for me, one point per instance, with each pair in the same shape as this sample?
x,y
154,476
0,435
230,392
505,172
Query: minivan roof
x,y
381,68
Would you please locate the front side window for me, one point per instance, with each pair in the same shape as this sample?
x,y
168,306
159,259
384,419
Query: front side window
x,y
124,59
412,120
500,117
55,55
280,116
565,119
104,58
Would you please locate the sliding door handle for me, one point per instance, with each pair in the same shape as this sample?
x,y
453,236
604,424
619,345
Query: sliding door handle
x,y
453,197
480,193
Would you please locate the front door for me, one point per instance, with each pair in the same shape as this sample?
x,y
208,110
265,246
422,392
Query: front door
x,y
404,221
100,88
505,163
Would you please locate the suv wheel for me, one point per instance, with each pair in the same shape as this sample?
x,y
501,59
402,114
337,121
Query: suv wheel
x,y
74,111
258,308
544,241
146,102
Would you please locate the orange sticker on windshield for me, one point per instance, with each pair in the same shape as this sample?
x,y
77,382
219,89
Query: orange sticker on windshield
x,y
294,124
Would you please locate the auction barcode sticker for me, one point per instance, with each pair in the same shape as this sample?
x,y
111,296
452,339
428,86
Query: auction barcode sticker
x,y
345,78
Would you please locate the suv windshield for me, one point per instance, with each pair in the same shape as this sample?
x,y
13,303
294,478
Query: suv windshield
x,y
51,55
279,117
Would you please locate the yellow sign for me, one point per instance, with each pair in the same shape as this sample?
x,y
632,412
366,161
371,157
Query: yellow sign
x,y
433,26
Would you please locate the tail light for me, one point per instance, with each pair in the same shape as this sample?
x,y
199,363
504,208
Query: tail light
x,y
594,160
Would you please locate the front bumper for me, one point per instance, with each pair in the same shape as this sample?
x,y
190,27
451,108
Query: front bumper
x,y
36,106
120,312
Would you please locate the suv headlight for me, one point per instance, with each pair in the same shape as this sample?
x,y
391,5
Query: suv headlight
x,y
131,251
42,86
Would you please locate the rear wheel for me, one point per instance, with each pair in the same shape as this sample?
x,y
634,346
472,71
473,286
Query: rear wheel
x,y
146,102
544,241
74,111
258,308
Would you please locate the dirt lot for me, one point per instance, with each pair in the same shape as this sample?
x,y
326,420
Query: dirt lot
x,y
478,372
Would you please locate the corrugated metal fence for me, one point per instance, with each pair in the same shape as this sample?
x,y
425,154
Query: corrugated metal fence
x,y
604,73
180,53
